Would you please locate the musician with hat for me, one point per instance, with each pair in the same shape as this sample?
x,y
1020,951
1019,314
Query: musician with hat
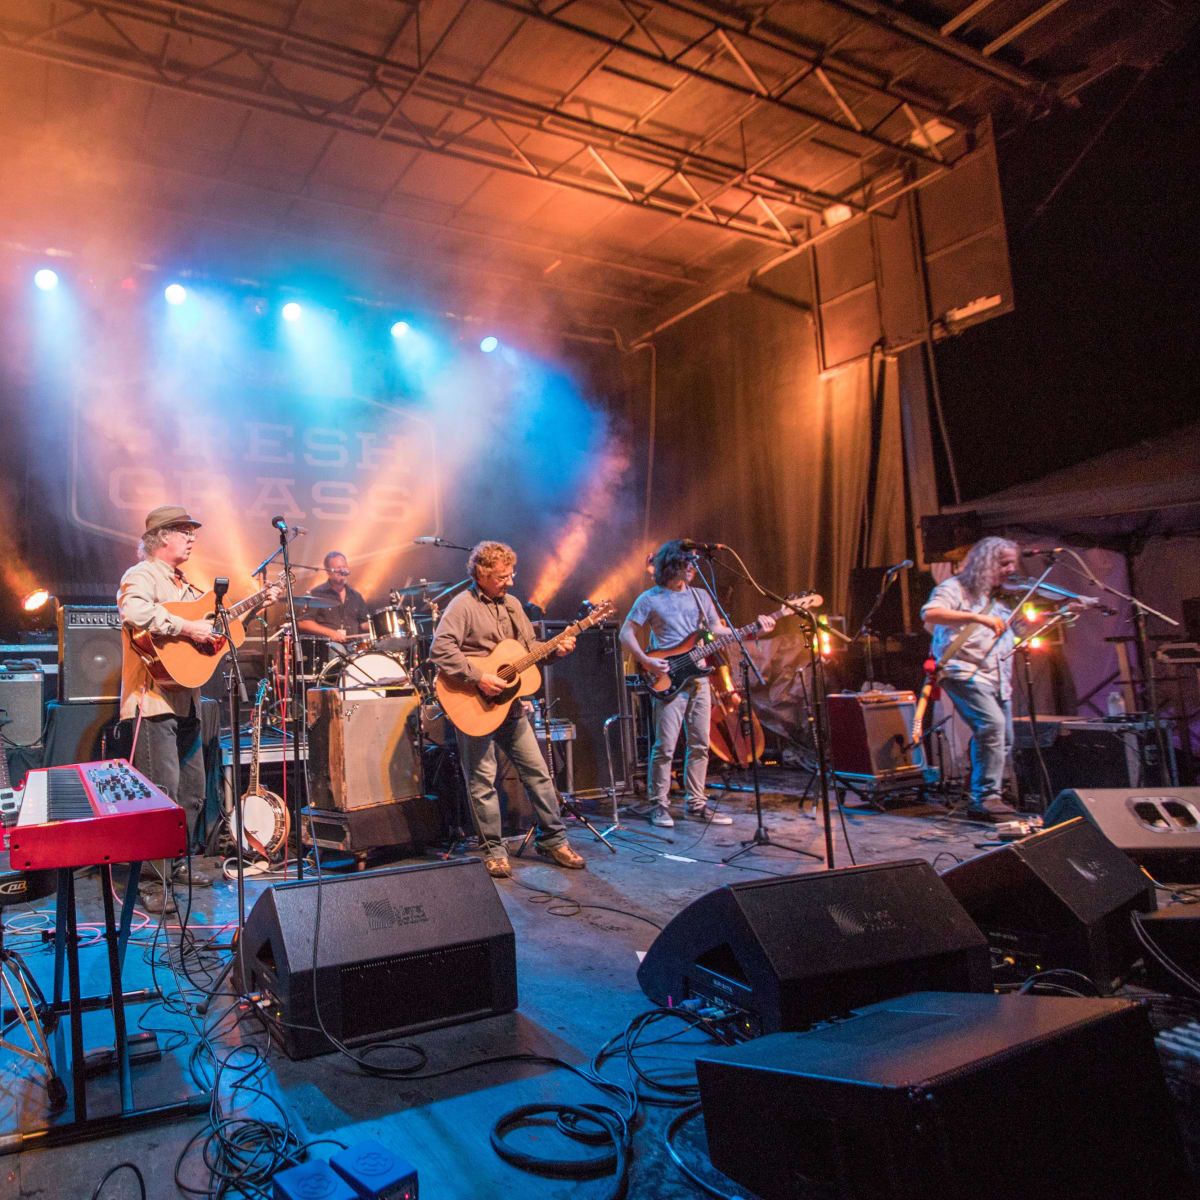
x,y
167,733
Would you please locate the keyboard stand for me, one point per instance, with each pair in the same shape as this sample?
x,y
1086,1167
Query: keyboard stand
x,y
76,1125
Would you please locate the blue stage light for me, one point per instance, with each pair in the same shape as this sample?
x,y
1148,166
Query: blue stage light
x,y
46,279
489,344
175,293
291,311
400,329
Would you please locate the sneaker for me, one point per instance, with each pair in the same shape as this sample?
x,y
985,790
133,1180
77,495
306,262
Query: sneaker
x,y
660,815
200,876
498,866
703,812
562,856
154,898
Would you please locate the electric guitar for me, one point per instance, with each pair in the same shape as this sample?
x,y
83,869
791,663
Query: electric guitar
x,y
179,660
9,801
933,673
478,715
685,661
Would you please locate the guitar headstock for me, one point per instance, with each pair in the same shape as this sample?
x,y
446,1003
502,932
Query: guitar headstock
x,y
802,601
264,686
601,611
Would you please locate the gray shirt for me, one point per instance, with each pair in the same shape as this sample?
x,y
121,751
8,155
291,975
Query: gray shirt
x,y
673,615
983,656
471,627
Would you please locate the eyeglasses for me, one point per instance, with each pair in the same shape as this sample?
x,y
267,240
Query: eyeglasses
x,y
343,571
501,576
186,530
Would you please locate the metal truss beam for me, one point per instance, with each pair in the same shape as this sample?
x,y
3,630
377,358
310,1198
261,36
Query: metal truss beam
x,y
267,47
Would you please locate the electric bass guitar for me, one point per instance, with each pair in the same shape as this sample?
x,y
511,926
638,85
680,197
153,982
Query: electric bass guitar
x,y
685,661
478,715
179,660
933,673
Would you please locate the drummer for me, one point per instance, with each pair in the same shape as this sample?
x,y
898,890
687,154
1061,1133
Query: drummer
x,y
342,610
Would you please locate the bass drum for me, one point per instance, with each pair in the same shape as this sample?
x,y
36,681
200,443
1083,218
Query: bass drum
x,y
370,673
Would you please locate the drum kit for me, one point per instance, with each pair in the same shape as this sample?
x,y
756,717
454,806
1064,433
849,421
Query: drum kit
x,y
387,660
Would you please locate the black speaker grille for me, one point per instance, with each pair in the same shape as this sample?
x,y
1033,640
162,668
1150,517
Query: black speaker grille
x,y
411,990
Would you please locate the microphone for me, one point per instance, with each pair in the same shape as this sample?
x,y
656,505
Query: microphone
x,y
1039,553
429,540
299,530
280,524
900,566
703,547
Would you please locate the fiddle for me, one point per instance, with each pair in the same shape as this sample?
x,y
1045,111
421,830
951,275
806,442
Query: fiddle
x,y
726,737
1047,591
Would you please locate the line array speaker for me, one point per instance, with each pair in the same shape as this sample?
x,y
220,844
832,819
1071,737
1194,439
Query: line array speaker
x,y
1157,827
901,1101
1059,899
89,652
397,952
786,952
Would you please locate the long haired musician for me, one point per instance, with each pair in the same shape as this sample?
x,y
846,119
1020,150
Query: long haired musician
x,y
978,677
662,617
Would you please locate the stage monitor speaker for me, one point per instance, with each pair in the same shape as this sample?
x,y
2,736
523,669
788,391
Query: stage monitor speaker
x,y
903,1101
361,752
783,953
1060,899
398,952
586,688
1157,827
21,703
946,536
869,734
89,652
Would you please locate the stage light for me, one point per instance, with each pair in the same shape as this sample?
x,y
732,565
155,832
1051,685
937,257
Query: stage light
x,y
400,329
175,293
46,280
489,344
291,311
35,600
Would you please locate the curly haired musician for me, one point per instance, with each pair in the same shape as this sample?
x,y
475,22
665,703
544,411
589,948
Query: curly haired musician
x,y
978,678
668,613
475,622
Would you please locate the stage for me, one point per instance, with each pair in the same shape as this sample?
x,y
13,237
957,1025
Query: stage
x,y
579,938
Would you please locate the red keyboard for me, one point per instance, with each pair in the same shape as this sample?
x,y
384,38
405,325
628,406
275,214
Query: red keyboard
x,y
88,814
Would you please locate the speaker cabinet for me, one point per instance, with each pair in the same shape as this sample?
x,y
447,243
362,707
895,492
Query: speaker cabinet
x,y
1077,753
398,952
1059,899
586,688
783,953
1157,827
361,752
903,1100
869,734
89,653
21,704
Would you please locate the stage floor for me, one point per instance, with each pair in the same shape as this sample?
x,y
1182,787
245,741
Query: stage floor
x,y
579,935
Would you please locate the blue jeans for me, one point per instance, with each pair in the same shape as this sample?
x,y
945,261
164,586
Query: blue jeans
x,y
478,756
990,720
688,711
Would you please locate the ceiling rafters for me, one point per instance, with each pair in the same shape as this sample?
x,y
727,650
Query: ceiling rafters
x,y
362,70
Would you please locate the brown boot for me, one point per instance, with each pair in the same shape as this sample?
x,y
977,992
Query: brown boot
x,y
498,866
563,856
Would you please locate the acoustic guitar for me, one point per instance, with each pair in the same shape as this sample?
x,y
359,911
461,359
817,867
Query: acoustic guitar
x,y
179,660
685,661
478,715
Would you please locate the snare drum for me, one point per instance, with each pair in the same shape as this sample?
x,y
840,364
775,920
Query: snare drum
x,y
368,673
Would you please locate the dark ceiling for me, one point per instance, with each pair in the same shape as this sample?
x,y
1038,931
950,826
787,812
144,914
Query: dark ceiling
x,y
594,165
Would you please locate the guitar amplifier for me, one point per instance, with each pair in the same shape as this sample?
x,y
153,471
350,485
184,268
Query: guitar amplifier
x,y
869,734
89,653
21,702
361,752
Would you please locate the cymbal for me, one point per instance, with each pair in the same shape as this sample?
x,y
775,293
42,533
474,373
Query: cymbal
x,y
315,602
419,589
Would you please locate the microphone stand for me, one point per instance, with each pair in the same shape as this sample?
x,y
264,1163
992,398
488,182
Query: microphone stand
x,y
299,774
761,836
866,632
235,690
